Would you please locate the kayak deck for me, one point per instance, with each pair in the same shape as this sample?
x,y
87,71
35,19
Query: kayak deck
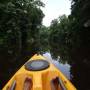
x,y
38,74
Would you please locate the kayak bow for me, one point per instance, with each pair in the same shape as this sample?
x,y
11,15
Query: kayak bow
x,y
39,74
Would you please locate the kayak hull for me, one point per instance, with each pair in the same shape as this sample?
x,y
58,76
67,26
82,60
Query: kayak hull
x,y
38,79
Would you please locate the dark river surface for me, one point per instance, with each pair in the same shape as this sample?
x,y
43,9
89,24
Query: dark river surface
x,y
77,72
65,68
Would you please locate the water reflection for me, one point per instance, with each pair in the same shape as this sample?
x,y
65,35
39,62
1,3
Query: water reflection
x,y
78,72
64,68
81,75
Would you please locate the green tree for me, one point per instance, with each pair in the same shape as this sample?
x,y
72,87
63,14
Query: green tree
x,y
59,36
19,22
44,35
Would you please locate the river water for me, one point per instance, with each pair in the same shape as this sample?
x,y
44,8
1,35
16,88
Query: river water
x,y
77,73
64,68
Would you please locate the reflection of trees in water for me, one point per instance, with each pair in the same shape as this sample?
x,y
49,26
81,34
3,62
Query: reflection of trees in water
x,y
80,67
10,64
80,75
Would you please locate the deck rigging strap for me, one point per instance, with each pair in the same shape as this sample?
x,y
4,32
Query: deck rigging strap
x,y
12,86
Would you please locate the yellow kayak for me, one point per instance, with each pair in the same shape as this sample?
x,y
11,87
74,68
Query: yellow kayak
x,y
39,74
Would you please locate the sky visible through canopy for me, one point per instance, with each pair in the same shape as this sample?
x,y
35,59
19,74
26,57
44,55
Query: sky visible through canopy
x,y
55,8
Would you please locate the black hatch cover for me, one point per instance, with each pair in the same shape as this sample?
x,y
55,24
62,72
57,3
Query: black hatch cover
x,y
37,65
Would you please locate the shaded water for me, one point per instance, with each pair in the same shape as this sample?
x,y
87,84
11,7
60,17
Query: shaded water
x,y
77,72
64,68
